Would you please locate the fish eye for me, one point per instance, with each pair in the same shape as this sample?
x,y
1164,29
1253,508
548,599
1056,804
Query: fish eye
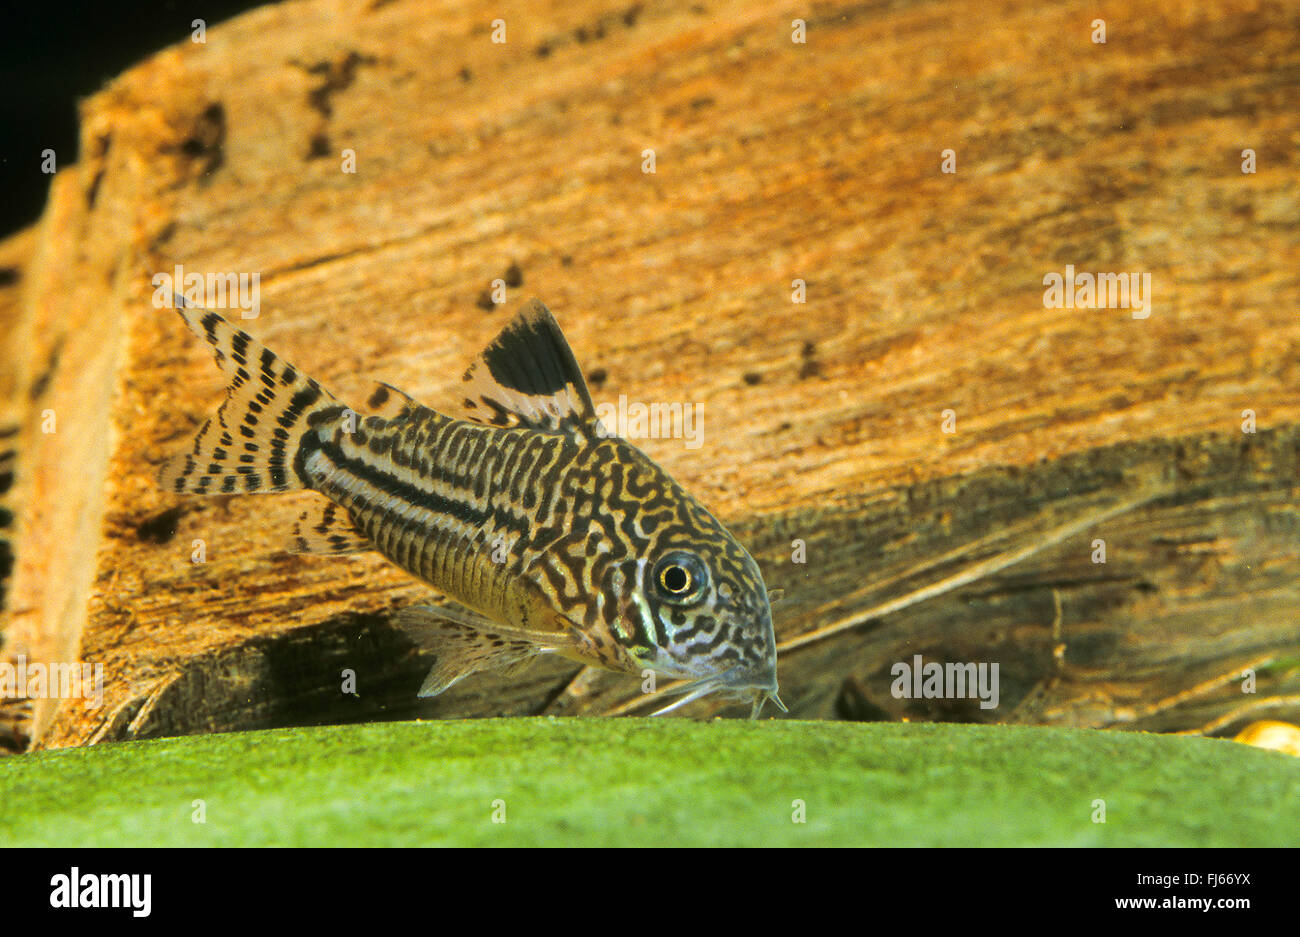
x,y
675,579
680,576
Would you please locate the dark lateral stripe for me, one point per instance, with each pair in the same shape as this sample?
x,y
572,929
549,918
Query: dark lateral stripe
x,y
381,481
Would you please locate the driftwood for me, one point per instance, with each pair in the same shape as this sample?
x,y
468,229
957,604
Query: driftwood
x,y
923,420
15,256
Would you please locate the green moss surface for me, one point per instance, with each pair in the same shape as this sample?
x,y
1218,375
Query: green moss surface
x,y
655,782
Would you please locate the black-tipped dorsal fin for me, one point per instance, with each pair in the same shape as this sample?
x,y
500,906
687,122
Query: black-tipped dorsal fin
x,y
528,377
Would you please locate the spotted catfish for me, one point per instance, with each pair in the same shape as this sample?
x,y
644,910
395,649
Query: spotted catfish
x,y
549,535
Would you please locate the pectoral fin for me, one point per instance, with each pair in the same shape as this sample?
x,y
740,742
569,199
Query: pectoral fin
x,y
465,642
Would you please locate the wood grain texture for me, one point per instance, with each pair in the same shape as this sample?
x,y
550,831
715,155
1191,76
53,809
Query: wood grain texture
x,y
775,161
15,258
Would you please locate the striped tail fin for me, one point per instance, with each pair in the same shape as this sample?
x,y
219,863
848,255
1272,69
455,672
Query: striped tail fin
x,y
251,442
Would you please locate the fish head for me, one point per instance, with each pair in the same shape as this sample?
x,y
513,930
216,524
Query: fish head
x,y
695,606
709,615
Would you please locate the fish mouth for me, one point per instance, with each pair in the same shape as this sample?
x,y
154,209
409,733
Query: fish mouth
x,y
738,683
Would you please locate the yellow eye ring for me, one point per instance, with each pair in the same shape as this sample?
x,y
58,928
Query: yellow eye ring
x,y
676,580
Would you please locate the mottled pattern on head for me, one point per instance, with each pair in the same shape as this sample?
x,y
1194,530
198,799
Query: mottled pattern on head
x,y
646,562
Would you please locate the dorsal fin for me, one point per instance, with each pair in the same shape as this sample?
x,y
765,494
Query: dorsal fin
x,y
528,376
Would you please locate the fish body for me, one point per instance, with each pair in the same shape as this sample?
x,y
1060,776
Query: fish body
x,y
549,535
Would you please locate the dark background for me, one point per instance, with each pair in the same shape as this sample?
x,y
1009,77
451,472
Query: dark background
x,y
52,55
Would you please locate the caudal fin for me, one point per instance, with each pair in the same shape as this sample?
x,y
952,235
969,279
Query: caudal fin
x,y
250,444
